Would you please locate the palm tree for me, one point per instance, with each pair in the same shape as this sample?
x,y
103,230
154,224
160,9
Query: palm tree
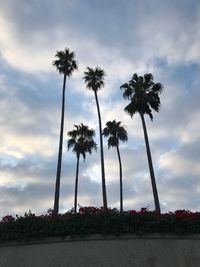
x,y
94,79
116,133
65,64
143,94
81,142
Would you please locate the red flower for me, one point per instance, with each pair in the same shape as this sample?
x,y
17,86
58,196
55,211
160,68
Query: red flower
x,y
8,218
88,210
187,214
143,210
132,212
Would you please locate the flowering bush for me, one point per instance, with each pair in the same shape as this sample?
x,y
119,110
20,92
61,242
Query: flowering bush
x,y
90,220
8,218
89,210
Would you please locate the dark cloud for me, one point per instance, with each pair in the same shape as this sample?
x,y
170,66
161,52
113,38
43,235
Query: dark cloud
x,y
135,29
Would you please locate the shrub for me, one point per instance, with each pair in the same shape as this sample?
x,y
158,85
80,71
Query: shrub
x,y
91,220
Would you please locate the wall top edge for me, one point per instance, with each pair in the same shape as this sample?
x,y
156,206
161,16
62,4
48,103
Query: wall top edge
x,y
99,237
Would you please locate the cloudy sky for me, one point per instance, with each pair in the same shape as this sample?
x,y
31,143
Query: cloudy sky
x,y
122,37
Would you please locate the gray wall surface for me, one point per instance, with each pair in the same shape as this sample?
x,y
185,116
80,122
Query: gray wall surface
x,y
96,251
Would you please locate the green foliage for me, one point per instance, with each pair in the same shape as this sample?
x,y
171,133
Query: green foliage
x,y
91,220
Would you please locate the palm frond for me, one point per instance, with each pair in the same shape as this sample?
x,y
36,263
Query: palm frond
x,y
135,78
71,143
157,88
148,78
122,134
106,132
128,90
72,134
112,142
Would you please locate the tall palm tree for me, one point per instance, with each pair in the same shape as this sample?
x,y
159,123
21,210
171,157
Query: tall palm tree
x,y
116,133
143,94
65,64
94,79
81,142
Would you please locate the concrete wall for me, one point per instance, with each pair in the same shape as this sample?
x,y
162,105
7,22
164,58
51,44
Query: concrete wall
x,y
97,251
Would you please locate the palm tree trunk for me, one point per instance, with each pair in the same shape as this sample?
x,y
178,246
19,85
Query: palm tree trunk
x,y
153,180
76,185
102,155
59,164
120,180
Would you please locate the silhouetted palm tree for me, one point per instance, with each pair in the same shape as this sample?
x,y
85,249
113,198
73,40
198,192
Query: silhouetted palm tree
x,y
65,64
81,142
144,96
94,79
116,133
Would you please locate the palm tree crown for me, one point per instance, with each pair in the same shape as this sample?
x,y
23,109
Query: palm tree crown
x,y
143,93
81,140
94,78
116,133
65,62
